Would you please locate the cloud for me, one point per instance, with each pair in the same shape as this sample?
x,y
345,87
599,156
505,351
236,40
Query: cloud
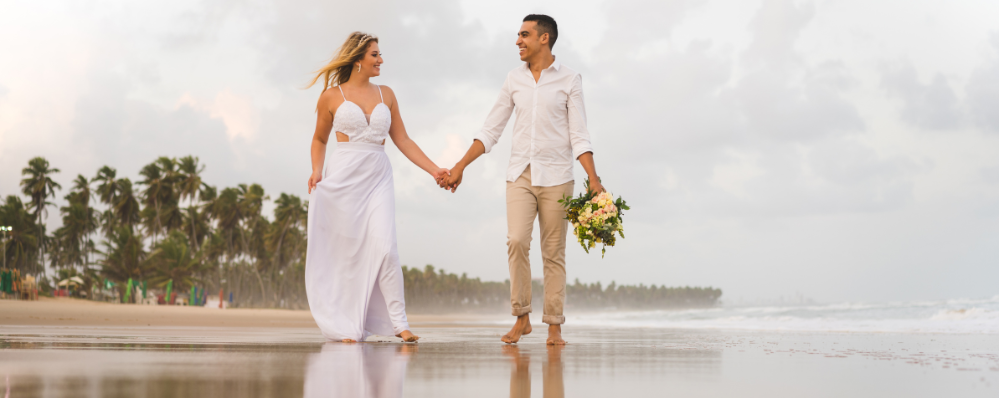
x,y
983,91
776,26
241,117
110,128
930,106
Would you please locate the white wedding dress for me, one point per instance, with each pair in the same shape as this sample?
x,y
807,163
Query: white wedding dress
x,y
353,279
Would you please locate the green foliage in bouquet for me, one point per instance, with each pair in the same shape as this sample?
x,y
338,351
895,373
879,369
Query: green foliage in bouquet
x,y
595,218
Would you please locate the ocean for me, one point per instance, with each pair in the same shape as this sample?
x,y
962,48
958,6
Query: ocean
x,y
968,316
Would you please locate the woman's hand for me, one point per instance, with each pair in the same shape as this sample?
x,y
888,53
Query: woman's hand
x,y
314,179
453,179
440,174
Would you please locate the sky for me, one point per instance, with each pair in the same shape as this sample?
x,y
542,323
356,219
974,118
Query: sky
x,y
835,150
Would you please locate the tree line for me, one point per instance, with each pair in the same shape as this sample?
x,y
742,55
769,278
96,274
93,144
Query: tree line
x,y
430,290
170,226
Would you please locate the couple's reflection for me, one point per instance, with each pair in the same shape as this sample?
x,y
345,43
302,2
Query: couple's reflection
x,y
520,372
378,370
358,370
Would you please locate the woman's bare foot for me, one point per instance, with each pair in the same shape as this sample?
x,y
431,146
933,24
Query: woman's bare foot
x,y
555,335
520,328
348,341
408,336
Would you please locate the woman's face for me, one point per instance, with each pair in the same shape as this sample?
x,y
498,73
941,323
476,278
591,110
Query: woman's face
x,y
371,62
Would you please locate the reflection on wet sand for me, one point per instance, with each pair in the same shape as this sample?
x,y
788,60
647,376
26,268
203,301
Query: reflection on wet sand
x,y
469,362
520,373
358,370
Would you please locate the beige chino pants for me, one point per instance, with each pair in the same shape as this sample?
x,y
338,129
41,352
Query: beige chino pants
x,y
524,203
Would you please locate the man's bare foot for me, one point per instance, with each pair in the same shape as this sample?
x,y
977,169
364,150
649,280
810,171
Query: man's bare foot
x,y
520,328
348,341
408,336
555,335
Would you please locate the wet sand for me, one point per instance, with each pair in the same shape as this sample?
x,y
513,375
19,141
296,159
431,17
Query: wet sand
x,y
75,312
66,347
112,361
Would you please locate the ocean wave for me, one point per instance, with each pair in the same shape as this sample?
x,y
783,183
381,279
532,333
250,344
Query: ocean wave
x,y
973,316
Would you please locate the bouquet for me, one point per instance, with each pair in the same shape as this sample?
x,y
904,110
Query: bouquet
x,y
595,218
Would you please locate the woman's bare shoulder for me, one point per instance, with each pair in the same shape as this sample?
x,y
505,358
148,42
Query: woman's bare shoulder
x,y
388,94
330,100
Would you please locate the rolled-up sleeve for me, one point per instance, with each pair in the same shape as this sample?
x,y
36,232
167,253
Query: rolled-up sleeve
x,y
579,136
498,117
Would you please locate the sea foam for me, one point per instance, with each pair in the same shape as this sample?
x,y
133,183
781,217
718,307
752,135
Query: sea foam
x,y
973,316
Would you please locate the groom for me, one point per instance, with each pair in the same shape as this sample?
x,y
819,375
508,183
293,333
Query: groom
x,y
549,132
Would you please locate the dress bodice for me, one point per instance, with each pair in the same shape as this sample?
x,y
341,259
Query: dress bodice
x,y
349,119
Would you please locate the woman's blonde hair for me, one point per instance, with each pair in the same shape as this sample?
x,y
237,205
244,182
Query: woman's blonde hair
x,y
338,70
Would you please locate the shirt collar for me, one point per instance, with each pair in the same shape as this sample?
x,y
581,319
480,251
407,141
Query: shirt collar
x,y
555,65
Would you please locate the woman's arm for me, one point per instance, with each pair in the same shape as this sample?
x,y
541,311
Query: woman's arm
x,y
405,144
324,123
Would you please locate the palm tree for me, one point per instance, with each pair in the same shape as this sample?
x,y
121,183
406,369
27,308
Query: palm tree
x,y
173,260
171,216
71,241
289,215
126,209
39,186
251,202
108,190
199,226
189,186
285,239
81,187
22,243
159,196
124,257
227,213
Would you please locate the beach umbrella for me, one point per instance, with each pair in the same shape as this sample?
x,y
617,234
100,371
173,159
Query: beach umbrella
x,y
67,282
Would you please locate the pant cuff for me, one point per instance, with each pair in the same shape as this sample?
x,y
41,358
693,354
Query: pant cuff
x,y
553,319
521,311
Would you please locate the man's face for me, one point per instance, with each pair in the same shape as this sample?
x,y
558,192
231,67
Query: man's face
x,y
529,41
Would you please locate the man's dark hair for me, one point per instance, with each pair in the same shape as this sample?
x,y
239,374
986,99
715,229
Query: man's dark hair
x,y
545,24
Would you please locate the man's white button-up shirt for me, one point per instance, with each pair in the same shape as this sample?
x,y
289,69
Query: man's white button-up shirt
x,y
550,129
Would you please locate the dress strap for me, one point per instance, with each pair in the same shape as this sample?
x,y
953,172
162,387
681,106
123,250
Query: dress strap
x,y
380,93
341,92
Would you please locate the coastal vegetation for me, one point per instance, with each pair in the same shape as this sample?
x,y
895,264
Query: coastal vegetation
x,y
171,228
430,290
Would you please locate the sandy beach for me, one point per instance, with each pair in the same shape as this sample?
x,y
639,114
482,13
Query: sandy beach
x,y
75,312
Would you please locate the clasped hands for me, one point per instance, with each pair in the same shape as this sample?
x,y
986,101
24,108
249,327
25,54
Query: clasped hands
x,y
448,179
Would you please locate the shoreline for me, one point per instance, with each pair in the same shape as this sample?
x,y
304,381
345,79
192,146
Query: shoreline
x,y
61,311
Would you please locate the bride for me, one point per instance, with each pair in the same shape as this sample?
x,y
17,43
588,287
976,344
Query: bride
x,y
353,279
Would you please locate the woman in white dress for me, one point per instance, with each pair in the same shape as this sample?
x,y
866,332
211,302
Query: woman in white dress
x,y
353,279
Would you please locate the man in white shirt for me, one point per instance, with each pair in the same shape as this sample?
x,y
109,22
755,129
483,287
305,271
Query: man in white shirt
x,y
549,132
